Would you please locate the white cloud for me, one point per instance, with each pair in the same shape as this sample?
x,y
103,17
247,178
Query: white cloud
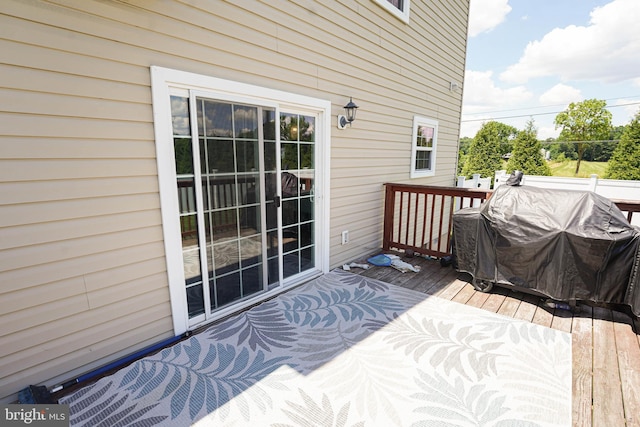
x,y
483,100
623,114
608,49
561,94
481,93
485,15
548,131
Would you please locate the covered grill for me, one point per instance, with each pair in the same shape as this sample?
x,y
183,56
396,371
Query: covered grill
x,y
563,244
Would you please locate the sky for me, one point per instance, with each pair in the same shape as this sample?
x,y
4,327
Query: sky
x,y
532,58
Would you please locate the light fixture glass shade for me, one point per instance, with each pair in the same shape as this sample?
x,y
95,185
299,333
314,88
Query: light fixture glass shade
x,y
350,110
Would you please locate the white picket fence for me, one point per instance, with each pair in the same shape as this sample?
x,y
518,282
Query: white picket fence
x,y
615,189
474,182
610,188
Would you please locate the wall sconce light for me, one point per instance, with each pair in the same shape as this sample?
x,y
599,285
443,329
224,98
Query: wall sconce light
x,y
350,111
453,87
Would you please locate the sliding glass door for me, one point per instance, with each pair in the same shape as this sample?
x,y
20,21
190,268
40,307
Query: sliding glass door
x,y
245,177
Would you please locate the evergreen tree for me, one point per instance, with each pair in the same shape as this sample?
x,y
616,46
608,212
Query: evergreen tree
x,y
484,155
527,153
625,161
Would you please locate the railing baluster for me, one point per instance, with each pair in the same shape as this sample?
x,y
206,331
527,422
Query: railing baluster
x,y
415,220
424,220
433,208
389,218
448,247
400,216
441,221
398,212
406,236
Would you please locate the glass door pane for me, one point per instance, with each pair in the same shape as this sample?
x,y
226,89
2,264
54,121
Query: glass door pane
x,y
297,148
271,196
185,184
230,144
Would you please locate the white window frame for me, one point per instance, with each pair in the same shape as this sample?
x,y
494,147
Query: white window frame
x,y
402,15
423,121
165,81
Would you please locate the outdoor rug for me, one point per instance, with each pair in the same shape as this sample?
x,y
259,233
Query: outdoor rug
x,y
345,350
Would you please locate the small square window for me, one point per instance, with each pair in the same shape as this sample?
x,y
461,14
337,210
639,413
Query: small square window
x,y
423,147
398,8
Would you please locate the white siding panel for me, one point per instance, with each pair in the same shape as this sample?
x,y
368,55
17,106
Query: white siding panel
x,y
20,101
44,58
22,278
13,193
44,253
45,81
43,148
66,127
22,300
42,233
41,169
13,215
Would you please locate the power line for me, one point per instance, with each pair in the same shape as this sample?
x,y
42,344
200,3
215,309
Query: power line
x,y
552,105
602,141
580,142
536,114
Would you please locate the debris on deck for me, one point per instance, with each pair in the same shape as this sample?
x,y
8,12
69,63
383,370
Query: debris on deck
x,y
384,260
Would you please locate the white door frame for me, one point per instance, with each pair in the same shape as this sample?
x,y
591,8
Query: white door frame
x,y
165,81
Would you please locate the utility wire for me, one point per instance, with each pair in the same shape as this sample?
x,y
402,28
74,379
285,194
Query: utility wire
x,y
602,141
551,105
535,114
580,142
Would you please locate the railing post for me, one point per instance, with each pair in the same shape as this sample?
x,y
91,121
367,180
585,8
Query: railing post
x,y
389,208
593,182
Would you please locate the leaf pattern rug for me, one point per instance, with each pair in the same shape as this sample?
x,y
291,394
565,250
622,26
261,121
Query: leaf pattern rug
x,y
345,350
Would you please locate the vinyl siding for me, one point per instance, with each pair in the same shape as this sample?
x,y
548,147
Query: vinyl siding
x,y
82,268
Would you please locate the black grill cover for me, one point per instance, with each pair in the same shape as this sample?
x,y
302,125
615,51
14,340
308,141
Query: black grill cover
x,y
567,245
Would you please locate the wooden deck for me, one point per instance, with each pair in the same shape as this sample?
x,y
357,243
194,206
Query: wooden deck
x,y
605,345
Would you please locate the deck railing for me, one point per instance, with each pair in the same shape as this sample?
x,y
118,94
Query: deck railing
x,y
419,218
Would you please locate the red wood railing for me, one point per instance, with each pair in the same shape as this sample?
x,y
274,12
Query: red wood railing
x,y
628,206
419,218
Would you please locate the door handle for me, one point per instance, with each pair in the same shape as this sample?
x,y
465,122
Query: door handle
x,y
277,201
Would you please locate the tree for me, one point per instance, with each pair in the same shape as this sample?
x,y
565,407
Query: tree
x,y
582,122
625,161
599,151
463,152
485,151
567,151
527,153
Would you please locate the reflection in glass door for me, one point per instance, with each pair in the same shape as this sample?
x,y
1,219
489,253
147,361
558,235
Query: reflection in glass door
x,y
297,148
246,199
219,184
229,145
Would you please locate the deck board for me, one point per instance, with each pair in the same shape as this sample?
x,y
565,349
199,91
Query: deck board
x,y
582,349
605,343
607,389
628,352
